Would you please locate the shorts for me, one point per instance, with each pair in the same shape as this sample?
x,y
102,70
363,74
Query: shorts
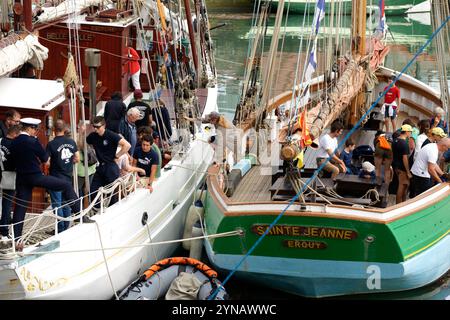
x,y
329,167
383,153
394,112
402,177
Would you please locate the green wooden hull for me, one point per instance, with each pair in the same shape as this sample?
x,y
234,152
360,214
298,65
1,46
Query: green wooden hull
x,y
327,238
392,7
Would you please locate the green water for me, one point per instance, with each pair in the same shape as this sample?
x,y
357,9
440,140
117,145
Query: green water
x,y
231,48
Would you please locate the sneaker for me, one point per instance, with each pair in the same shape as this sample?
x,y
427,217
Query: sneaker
x,y
5,242
5,239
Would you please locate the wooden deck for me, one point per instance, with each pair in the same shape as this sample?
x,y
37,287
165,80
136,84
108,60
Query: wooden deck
x,y
254,187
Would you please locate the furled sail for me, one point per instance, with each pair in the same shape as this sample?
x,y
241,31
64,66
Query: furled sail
x,y
67,7
16,50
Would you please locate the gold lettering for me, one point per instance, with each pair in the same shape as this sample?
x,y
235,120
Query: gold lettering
x,y
299,231
348,235
260,230
278,230
306,232
331,233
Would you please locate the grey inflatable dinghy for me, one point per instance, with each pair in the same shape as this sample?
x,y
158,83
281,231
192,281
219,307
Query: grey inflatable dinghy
x,y
176,278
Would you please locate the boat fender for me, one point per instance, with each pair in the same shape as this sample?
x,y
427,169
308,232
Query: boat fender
x,y
195,213
144,218
233,179
244,165
200,195
253,159
196,245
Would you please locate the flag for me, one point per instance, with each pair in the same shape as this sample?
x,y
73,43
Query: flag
x,y
305,140
382,25
311,65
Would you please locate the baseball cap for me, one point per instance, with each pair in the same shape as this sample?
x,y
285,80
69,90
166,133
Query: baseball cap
x,y
406,128
438,132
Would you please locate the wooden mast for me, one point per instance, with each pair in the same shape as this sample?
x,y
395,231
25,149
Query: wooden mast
x,y
358,51
191,33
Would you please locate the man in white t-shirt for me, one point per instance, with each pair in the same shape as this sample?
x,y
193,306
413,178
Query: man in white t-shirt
x,y
425,167
328,144
125,167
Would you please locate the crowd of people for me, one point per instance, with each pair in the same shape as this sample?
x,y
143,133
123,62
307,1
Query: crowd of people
x,y
124,140
411,159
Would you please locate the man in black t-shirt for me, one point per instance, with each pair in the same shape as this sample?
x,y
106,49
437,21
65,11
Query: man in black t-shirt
x,y
400,163
144,109
115,110
63,154
105,143
146,158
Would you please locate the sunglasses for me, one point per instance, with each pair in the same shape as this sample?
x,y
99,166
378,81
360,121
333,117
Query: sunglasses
x,y
98,126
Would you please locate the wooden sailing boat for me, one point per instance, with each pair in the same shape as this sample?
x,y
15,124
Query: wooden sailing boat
x,y
323,243
96,260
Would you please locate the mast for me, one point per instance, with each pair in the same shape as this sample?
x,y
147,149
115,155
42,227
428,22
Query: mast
x,y
358,50
191,33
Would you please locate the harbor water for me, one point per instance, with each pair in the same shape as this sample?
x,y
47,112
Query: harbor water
x,y
407,34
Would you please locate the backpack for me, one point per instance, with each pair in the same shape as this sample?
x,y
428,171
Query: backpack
x,y
361,151
383,143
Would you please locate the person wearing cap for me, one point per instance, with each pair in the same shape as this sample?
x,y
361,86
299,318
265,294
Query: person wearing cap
x,y
400,162
146,158
28,155
435,135
425,168
105,143
115,110
63,152
144,109
226,134
438,119
391,103
367,170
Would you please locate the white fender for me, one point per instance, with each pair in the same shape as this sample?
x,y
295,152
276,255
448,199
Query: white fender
x,y
196,245
195,213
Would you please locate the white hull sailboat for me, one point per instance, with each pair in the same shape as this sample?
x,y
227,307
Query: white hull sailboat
x,y
98,259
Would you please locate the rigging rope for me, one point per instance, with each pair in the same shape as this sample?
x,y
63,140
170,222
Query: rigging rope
x,y
320,168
